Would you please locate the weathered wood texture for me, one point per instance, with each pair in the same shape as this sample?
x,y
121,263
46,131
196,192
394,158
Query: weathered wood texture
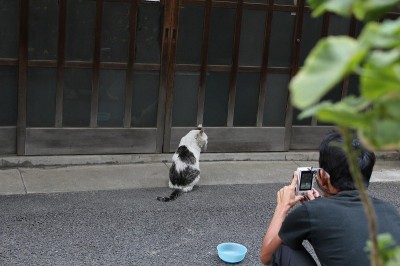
x,y
8,140
163,138
22,76
47,141
307,137
235,139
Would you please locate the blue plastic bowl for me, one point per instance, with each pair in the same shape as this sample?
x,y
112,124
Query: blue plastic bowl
x,y
231,252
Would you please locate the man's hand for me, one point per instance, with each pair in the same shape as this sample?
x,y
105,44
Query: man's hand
x,y
286,197
312,195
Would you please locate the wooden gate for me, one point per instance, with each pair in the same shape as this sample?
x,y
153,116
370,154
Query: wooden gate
x,y
133,76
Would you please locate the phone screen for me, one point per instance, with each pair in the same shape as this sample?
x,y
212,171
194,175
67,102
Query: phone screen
x,y
306,180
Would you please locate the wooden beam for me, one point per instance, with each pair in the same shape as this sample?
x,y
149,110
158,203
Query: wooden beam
x,y
22,76
236,139
264,66
235,63
203,67
295,67
131,61
162,91
346,81
8,62
324,33
62,19
325,25
172,41
96,64
52,141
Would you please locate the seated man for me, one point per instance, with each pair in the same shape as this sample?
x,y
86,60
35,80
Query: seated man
x,y
335,224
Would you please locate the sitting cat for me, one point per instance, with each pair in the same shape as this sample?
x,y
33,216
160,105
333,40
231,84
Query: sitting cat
x,y
185,172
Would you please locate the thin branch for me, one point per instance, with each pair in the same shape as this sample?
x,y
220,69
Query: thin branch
x,y
359,183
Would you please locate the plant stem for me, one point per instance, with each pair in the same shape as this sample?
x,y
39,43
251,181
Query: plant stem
x,y
359,184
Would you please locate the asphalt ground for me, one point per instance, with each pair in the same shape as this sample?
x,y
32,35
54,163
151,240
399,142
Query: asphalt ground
x,y
103,210
130,227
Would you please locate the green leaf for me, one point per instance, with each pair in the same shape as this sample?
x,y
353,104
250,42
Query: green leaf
x,y
383,131
328,63
366,10
386,247
372,9
340,7
350,104
377,81
382,134
343,118
395,259
348,113
313,110
385,35
384,58
392,107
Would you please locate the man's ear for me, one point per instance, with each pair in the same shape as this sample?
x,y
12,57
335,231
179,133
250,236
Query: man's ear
x,y
326,183
325,178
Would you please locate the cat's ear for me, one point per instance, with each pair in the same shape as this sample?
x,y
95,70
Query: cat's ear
x,y
200,127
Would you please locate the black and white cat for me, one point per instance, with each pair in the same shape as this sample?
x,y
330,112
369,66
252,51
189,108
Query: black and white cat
x,y
185,172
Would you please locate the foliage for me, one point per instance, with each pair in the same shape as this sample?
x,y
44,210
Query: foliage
x,y
390,254
375,57
375,113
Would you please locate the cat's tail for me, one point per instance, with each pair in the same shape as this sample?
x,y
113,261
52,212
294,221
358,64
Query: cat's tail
x,y
174,195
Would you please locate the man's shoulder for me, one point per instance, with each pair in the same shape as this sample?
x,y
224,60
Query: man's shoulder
x,y
336,204
384,206
350,203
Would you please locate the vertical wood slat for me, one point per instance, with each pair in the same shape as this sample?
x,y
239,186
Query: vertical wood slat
x,y
96,64
173,35
204,60
162,91
235,63
324,33
295,67
62,14
131,60
22,76
352,33
264,67
325,25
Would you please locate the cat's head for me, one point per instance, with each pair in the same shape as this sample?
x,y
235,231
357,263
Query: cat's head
x,y
201,138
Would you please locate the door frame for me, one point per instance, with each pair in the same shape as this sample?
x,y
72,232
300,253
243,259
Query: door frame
x,y
230,138
91,139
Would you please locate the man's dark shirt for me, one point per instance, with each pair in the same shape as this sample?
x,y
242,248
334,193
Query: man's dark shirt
x,y
337,227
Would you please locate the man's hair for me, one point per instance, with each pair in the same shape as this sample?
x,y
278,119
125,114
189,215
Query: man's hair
x,y
333,160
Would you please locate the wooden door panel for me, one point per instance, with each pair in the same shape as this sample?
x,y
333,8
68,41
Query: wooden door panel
x,y
236,139
105,94
308,137
47,141
97,82
8,140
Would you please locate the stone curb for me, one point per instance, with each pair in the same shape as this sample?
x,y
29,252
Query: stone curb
x,y
69,160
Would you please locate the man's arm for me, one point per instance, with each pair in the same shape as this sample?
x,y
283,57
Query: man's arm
x,y
271,240
286,199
